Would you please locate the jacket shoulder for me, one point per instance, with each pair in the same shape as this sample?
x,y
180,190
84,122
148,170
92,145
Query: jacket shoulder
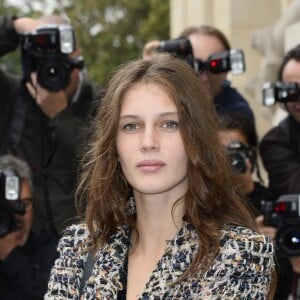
x,y
243,269
75,237
247,250
276,133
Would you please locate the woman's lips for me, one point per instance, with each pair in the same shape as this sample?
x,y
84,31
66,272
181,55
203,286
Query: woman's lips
x,y
150,165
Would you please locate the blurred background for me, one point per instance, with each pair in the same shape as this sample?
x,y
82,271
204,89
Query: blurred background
x,y
113,31
110,31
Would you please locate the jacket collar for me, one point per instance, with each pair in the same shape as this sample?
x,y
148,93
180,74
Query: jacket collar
x,y
105,281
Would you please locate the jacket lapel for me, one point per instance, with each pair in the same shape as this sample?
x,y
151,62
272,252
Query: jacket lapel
x,y
105,282
176,259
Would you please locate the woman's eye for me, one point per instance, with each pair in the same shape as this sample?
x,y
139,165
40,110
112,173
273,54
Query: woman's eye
x,y
170,124
130,126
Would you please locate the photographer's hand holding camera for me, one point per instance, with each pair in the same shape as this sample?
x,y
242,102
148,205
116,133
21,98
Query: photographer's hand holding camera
x,y
208,51
46,112
26,257
280,147
238,135
281,227
53,97
14,226
150,48
240,139
51,103
7,244
280,151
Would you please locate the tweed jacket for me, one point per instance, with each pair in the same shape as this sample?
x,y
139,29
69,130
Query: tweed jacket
x,y
241,270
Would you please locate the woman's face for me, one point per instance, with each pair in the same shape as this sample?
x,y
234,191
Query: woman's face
x,y
149,143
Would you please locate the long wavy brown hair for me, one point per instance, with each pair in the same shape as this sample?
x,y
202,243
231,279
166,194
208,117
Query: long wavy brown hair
x,y
211,200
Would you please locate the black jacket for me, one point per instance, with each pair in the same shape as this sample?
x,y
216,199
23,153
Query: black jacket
x,y
231,100
24,274
257,196
280,152
52,147
285,275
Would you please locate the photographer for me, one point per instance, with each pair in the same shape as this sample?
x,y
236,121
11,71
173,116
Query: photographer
x,y
26,257
280,147
207,41
46,112
281,223
280,151
238,135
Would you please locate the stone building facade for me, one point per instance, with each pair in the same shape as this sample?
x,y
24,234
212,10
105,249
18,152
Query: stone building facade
x,y
264,29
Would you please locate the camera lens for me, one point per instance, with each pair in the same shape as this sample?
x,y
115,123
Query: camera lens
x,y
53,75
292,240
237,161
288,239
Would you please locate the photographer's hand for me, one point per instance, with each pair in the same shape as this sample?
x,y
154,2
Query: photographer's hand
x,y
51,103
23,25
265,230
7,244
295,261
149,49
246,180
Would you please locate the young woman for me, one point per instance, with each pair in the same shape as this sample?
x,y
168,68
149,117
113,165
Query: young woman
x,y
162,218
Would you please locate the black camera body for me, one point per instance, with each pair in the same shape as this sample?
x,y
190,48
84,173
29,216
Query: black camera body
x,y
238,153
221,62
284,214
282,92
46,52
180,47
224,61
10,203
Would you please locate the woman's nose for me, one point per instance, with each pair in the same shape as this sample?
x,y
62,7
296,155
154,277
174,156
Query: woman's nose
x,y
149,140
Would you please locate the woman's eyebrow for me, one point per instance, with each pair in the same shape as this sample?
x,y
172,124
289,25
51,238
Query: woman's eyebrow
x,y
174,113
164,114
128,116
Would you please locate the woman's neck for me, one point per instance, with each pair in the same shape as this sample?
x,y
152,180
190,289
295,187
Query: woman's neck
x,y
157,221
